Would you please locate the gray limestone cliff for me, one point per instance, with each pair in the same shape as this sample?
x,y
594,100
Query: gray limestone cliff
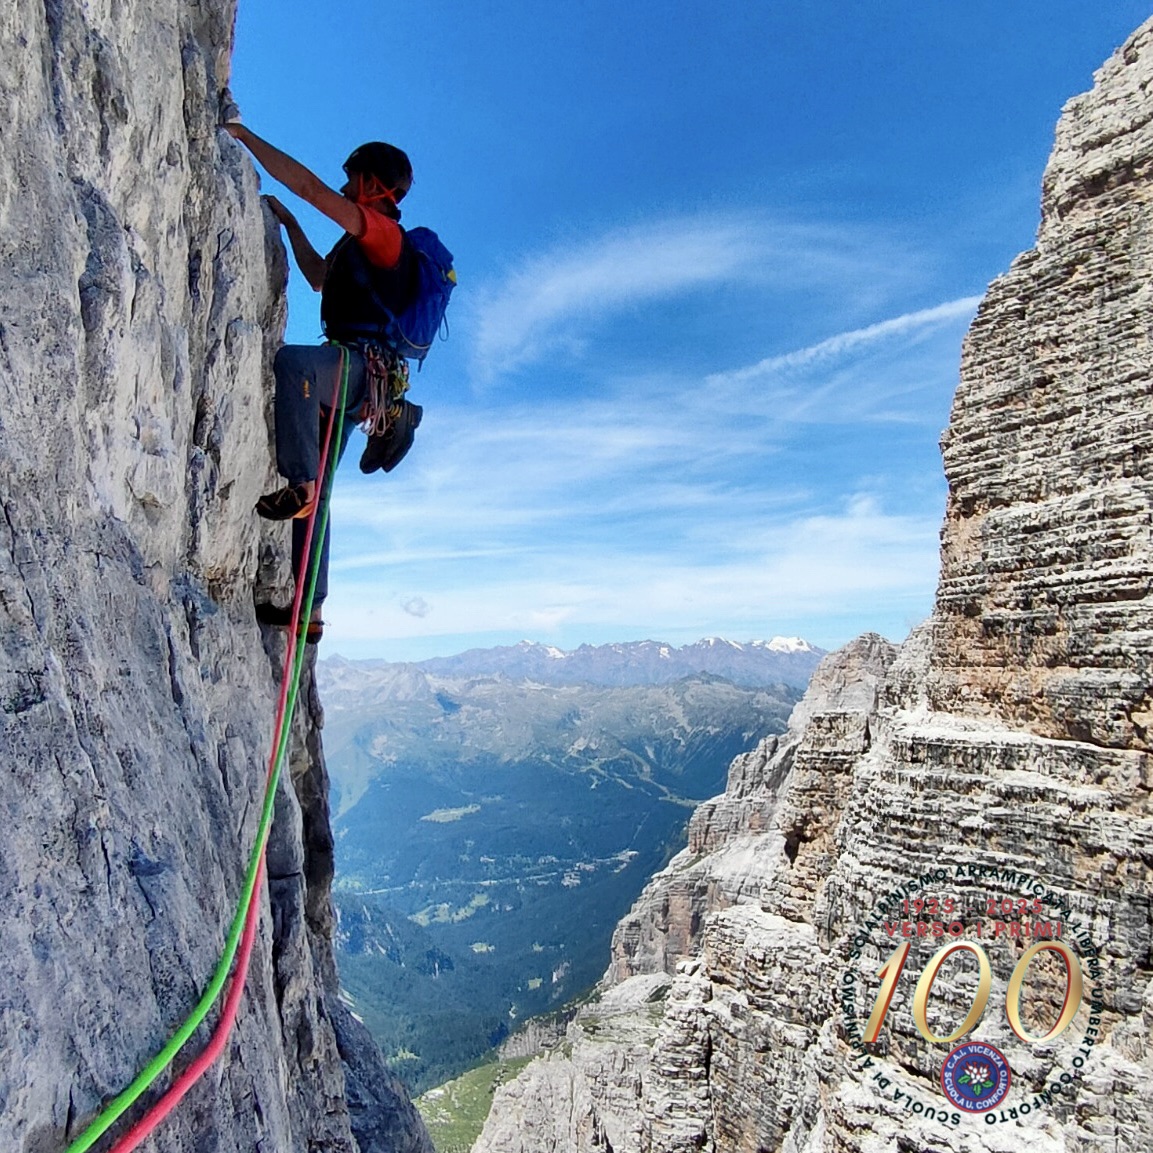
x,y
1001,754
141,300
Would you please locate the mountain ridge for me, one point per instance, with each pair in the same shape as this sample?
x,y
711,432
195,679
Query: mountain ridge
x,y
749,664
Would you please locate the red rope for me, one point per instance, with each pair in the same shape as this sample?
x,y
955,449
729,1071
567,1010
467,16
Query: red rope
x,y
215,1047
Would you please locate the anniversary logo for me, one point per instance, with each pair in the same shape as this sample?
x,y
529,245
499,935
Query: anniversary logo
x,y
972,931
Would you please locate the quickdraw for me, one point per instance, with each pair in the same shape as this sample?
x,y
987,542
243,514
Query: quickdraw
x,y
387,379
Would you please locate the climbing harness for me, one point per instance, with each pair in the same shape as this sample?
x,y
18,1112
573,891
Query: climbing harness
x,y
242,933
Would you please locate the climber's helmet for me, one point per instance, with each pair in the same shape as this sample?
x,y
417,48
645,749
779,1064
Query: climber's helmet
x,y
386,170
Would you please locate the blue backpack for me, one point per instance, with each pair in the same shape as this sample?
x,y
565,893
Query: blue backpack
x,y
412,331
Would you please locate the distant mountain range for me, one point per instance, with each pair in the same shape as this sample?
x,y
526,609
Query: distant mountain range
x,y
754,664
496,813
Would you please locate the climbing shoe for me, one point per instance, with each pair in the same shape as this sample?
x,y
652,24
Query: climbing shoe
x,y
281,618
286,503
389,449
272,614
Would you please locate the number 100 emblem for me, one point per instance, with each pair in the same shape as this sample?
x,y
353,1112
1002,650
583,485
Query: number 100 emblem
x,y
891,971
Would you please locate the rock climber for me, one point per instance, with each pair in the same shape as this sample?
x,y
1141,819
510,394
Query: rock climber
x,y
370,268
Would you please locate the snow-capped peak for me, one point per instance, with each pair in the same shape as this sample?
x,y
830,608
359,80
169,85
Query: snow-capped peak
x,y
789,645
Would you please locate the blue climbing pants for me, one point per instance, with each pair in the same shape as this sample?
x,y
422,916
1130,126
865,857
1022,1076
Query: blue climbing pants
x,y
307,379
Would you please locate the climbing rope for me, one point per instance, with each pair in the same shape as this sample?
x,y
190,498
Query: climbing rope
x,y
247,914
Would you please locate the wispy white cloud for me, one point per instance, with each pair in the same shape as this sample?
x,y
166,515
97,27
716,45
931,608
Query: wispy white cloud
x,y
898,371
545,304
527,316
661,445
836,347
861,561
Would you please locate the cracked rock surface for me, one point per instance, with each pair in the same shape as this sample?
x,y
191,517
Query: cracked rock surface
x,y
141,301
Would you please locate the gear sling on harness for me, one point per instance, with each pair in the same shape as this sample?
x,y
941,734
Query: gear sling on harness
x,y
242,933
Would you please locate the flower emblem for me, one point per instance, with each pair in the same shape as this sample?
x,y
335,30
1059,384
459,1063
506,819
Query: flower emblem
x,y
977,1077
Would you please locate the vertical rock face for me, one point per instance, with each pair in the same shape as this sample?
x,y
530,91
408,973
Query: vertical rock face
x,y
140,303
1043,614
1000,753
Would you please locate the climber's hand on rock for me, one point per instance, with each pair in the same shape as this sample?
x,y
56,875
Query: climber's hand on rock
x,y
229,113
278,210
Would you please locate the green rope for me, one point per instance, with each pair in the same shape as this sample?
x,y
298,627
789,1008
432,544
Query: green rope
x,y
117,1106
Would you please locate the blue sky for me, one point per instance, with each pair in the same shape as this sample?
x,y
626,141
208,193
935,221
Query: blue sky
x,y
716,264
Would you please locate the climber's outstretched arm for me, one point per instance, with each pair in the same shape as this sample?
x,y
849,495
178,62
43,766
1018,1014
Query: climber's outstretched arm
x,y
294,176
308,260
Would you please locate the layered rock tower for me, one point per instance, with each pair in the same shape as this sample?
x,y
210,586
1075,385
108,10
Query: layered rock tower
x,y
1002,753
141,298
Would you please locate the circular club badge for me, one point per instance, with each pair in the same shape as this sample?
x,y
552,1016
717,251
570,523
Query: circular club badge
x,y
976,1077
970,947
